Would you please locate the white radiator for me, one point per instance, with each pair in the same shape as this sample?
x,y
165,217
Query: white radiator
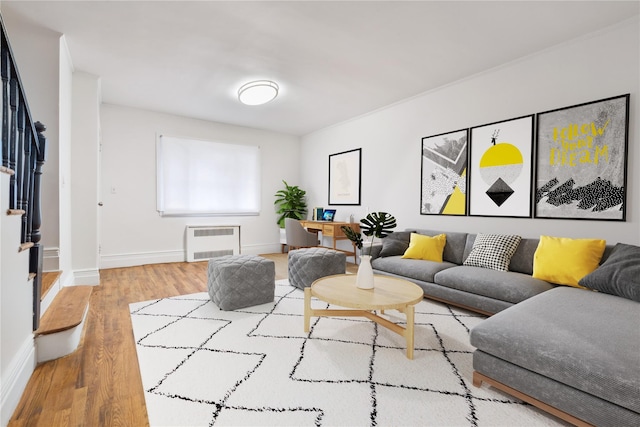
x,y
205,241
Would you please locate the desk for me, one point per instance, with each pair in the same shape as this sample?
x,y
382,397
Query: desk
x,y
332,229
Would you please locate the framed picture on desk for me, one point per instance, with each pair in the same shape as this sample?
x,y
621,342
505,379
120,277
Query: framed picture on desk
x,y
345,177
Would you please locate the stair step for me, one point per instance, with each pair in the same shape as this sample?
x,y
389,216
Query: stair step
x,y
27,245
66,311
48,279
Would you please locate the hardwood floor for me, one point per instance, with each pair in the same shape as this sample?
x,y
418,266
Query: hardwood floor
x,y
99,384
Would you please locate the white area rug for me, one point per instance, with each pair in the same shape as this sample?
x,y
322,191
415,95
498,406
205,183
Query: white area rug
x,y
203,366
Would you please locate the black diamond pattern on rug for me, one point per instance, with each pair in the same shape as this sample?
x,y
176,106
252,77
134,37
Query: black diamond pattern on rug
x,y
256,366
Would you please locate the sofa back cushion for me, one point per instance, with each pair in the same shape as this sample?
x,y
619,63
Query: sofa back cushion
x,y
455,247
522,260
395,243
619,274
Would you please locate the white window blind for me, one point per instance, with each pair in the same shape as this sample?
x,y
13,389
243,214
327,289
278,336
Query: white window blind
x,y
196,177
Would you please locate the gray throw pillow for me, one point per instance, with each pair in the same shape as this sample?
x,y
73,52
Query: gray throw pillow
x,y
395,243
619,275
493,251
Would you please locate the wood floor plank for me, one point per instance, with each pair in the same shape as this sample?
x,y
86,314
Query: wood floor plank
x,y
77,415
99,384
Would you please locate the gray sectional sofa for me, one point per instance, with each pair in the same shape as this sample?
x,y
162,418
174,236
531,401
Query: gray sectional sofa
x,y
479,289
572,352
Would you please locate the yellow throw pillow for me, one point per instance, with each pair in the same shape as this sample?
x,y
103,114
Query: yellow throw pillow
x,y
565,261
426,247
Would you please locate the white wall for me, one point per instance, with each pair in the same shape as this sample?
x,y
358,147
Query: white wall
x,y
85,170
132,232
602,65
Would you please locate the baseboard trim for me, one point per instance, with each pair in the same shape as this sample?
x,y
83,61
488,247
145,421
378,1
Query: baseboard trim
x,y
89,276
51,259
141,258
270,248
18,374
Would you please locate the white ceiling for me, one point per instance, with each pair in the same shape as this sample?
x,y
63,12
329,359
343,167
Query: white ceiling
x,y
333,60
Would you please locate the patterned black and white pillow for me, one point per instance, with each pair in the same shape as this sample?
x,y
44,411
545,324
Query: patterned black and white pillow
x,y
493,251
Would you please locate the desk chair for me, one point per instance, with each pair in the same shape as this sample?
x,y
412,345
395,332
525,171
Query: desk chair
x,y
297,236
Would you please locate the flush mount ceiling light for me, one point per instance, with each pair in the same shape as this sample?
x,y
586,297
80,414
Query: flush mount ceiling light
x,y
258,92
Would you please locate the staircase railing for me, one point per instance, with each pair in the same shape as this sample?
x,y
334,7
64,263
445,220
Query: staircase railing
x,y
23,150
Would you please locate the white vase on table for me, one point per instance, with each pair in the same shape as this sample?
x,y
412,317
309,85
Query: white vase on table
x,y
365,273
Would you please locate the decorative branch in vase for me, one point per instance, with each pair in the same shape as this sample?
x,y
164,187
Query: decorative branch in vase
x,y
376,224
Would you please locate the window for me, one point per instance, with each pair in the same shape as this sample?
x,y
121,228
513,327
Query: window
x,y
196,177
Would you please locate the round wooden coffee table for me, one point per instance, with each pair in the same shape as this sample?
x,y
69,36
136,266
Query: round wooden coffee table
x,y
389,293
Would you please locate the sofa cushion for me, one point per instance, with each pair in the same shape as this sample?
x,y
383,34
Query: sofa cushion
x,y
426,247
586,340
565,261
501,285
395,243
619,274
454,249
522,259
493,251
410,268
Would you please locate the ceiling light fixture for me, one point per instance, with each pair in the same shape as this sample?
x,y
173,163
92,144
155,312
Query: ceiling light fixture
x,y
258,92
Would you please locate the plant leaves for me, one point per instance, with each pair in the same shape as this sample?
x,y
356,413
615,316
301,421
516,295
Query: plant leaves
x,y
352,235
290,203
378,224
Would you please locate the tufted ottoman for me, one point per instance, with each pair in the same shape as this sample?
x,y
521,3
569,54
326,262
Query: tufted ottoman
x,y
308,265
238,281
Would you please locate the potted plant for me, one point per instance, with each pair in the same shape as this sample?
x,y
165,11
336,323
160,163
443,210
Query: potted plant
x,y
290,203
376,224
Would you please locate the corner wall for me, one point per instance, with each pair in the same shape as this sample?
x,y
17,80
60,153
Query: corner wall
x,y
601,65
85,173
65,88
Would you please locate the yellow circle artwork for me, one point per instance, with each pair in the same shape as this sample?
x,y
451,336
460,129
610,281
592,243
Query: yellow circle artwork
x,y
501,161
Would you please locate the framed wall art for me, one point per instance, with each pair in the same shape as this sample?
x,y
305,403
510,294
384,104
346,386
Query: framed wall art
x,y
500,166
581,161
443,177
345,177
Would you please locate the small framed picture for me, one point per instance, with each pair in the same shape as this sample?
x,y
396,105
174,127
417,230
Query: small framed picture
x,y
344,177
